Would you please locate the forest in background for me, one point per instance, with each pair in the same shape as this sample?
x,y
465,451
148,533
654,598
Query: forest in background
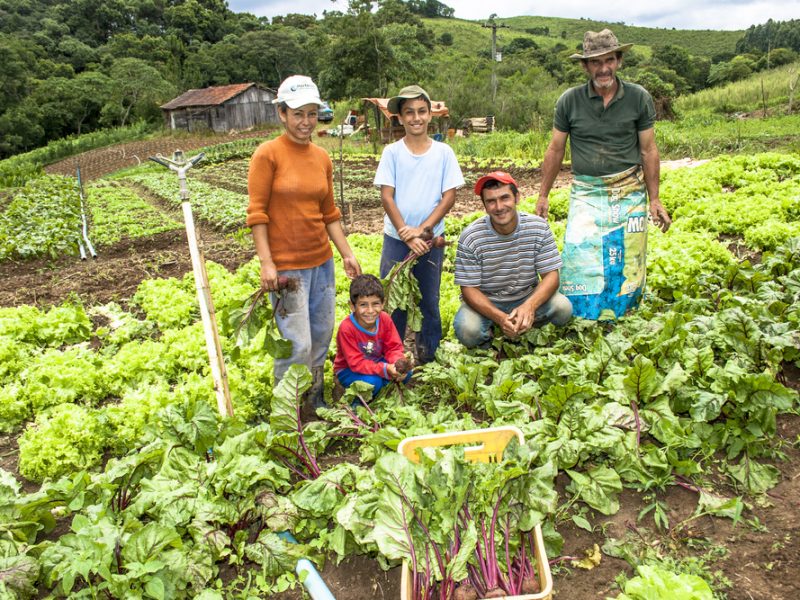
x,y
69,68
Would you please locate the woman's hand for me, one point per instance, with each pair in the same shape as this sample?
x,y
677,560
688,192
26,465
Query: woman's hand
x,y
351,267
269,276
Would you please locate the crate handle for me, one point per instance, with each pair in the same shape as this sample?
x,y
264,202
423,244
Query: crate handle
x,y
490,449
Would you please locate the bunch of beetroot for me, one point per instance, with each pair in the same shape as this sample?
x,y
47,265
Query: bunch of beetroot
x,y
244,321
402,288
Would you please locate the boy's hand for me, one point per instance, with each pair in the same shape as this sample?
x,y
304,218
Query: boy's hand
x,y
407,233
391,371
418,246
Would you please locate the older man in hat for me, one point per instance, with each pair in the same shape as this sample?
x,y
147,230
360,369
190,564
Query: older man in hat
x,y
507,266
615,163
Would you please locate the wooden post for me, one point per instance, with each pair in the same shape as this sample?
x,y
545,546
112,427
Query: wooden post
x,y
207,314
342,201
218,371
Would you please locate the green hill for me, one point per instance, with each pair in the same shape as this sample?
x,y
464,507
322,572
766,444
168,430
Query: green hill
x,y
69,69
470,36
704,42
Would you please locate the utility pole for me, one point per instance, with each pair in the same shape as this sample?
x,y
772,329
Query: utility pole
x,y
493,26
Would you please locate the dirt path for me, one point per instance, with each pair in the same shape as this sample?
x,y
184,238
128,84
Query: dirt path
x,y
118,270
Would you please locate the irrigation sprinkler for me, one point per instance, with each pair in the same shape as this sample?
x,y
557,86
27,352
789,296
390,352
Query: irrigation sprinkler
x,y
180,164
84,226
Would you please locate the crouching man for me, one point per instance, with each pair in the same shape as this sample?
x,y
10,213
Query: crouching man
x,y
507,266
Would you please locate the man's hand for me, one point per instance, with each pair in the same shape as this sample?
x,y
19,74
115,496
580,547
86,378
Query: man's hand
x,y
543,207
523,317
508,327
351,267
659,214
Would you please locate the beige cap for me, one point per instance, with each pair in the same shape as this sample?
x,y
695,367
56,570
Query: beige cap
x,y
407,93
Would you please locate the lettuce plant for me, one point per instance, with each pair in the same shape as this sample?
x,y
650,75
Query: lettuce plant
x,y
64,439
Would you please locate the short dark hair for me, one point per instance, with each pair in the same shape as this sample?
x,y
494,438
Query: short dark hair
x,y
493,184
365,285
402,101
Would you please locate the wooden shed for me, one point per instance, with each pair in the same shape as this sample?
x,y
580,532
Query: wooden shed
x,y
221,108
389,127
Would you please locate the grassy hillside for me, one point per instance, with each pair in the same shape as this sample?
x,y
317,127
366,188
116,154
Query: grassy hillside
x,y
469,35
767,87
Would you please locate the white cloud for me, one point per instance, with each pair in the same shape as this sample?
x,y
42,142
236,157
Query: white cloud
x,y
681,14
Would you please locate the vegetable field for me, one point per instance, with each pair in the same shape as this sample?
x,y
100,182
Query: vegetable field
x,y
662,451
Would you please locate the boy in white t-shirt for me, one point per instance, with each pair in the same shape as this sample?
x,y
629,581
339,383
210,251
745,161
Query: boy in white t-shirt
x,y
418,178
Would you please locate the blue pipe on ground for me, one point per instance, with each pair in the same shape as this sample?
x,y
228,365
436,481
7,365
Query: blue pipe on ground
x,y
313,581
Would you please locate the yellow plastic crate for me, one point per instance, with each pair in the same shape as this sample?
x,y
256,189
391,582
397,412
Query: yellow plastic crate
x,y
488,448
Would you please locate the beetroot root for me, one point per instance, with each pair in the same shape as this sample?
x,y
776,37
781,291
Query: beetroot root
x,y
465,591
290,284
530,585
495,593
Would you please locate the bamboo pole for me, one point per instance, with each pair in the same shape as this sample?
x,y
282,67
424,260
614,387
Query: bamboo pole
x,y
217,362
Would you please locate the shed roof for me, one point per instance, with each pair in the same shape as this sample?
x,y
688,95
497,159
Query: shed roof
x,y
210,96
438,108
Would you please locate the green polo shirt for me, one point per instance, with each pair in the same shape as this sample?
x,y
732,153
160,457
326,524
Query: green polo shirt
x,y
604,140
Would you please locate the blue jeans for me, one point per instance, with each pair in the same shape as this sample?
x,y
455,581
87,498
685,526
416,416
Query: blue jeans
x,y
309,319
347,377
473,329
428,271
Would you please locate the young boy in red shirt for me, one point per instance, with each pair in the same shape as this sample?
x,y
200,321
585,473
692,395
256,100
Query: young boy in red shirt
x,y
368,346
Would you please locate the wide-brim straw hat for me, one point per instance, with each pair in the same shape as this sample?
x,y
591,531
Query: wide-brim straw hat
x,y
598,43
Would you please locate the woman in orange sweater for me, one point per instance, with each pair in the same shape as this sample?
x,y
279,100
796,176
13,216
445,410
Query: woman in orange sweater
x,y
293,219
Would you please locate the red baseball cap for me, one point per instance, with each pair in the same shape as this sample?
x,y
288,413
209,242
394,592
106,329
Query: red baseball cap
x,y
500,176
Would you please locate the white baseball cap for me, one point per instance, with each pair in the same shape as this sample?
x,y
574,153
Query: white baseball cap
x,y
297,91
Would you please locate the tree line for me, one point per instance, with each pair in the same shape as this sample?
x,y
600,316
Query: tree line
x,y
73,66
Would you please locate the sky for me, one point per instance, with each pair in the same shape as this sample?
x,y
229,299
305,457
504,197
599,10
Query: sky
x,y
680,14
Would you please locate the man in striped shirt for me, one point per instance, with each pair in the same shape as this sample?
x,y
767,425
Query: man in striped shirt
x,y
507,266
